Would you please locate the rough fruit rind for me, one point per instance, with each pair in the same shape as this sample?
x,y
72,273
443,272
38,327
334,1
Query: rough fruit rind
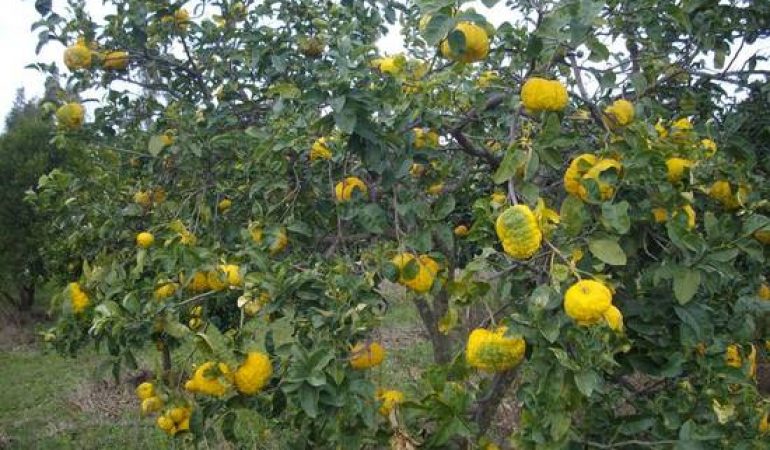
x,y
253,375
492,351
539,94
518,231
366,356
586,301
476,44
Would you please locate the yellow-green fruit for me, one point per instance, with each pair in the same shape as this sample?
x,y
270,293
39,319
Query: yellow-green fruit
x,y
252,376
539,94
427,268
461,231
151,405
606,190
614,318
115,60
476,44
71,116
224,205
492,351
145,390
145,239
764,291
621,112
519,232
344,189
676,168
574,173
587,301
366,356
78,56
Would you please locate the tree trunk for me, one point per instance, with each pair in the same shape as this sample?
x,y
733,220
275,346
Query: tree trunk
x,y
26,297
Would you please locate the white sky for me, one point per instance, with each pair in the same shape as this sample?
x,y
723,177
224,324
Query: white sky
x,y
19,45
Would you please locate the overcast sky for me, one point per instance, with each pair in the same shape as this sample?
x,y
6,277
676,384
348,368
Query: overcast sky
x,y
19,45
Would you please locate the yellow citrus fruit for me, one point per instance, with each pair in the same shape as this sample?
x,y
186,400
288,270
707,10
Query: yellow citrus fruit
x,y
344,189
660,215
145,239
492,351
165,291
425,138
586,301
389,399
621,112
427,269
151,405
461,231
709,147
253,374
320,150
574,173
364,356
539,94
224,205
614,318
676,168
71,116
518,231
78,298
280,243
143,199
762,236
117,60
764,291
145,390
209,379
78,56
595,173
476,44
435,189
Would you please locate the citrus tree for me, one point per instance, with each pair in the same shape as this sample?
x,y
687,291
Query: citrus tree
x,y
564,198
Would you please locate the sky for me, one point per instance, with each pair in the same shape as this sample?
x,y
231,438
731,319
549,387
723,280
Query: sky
x,y
19,45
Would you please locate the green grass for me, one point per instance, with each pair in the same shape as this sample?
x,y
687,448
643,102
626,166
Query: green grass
x,y
51,402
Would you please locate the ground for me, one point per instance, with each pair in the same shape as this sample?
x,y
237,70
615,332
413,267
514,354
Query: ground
x,y
52,402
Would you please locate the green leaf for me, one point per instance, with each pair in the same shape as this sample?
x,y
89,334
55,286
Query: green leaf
x,y
573,215
615,217
156,145
608,250
587,382
508,165
308,400
686,283
443,207
438,27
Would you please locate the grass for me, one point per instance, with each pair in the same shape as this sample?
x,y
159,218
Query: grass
x,y
51,402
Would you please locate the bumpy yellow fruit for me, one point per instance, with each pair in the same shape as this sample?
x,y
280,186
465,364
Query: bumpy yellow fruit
x,y
143,199
519,232
226,275
586,301
180,19
280,243
733,356
691,216
764,291
661,129
425,138
417,170
709,147
78,56
461,231
539,94
319,150
145,239
391,65
435,189
476,44
680,129
224,205
252,376
78,298
165,291
344,189
145,390
166,424
208,379
606,190
764,424
256,233
199,282
366,356
660,215
389,399
498,199
175,420
427,268
117,60
574,173
676,168
486,79
492,351
762,236
151,405
614,318
71,116
721,191
621,112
